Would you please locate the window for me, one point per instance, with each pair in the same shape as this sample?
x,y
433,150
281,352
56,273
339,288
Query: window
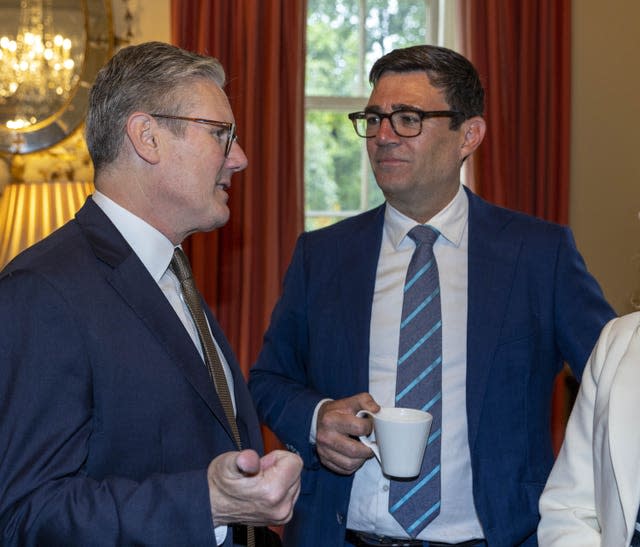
x,y
344,38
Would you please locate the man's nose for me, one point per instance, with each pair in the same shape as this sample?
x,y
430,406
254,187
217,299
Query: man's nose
x,y
237,160
386,133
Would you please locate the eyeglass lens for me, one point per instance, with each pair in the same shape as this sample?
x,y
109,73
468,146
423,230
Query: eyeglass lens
x,y
404,122
226,135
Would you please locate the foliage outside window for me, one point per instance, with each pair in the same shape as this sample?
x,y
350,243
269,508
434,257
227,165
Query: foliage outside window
x,y
344,38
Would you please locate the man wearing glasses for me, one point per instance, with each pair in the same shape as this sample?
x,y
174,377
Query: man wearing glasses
x,y
124,416
510,301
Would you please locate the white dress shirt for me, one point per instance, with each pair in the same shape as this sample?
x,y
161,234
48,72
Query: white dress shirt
x,y
155,252
368,508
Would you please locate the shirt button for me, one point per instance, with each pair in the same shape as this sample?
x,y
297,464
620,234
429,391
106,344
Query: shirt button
x,y
385,488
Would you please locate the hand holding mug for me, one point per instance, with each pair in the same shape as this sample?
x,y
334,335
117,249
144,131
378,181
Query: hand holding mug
x,y
401,436
337,431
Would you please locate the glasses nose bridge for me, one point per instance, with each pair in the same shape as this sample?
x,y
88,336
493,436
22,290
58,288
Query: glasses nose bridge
x,y
232,137
392,127
233,146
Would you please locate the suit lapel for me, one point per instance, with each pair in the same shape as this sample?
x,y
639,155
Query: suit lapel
x,y
492,262
624,434
131,280
358,253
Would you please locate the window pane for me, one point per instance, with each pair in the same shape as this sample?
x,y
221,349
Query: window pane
x,y
334,166
344,38
343,42
392,24
333,57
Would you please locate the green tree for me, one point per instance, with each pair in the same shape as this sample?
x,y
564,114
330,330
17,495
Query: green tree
x,y
342,44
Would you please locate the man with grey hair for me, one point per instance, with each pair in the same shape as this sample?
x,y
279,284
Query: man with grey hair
x,y
124,416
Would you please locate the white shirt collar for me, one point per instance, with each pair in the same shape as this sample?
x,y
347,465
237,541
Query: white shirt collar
x,y
152,247
450,221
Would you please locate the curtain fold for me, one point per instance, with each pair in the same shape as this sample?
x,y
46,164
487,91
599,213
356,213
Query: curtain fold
x,y
239,268
522,50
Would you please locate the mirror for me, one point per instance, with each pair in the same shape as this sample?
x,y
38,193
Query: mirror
x,y
50,52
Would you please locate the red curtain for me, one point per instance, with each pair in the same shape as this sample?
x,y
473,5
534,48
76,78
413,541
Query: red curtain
x,y
239,268
522,50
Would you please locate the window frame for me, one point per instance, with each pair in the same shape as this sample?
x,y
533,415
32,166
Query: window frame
x,y
441,21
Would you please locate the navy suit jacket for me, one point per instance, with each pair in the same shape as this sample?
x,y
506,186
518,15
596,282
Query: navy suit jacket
x,y
531,305
108,418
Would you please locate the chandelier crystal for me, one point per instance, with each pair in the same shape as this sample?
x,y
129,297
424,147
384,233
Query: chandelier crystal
x,y
38,66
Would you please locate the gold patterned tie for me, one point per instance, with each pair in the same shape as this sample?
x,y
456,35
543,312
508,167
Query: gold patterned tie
x,y
182,270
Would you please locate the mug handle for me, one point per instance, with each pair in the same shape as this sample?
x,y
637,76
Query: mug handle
x,y
367,441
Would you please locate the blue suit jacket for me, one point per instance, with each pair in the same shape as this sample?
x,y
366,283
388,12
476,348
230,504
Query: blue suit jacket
x,y
531,305
108,418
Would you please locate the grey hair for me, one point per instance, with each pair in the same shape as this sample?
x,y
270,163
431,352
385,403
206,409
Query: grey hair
x,y
147,77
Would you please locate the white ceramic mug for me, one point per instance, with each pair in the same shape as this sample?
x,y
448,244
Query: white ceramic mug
x,y
400,439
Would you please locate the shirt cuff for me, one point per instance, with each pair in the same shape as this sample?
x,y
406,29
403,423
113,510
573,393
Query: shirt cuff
x,y
221,534
314,421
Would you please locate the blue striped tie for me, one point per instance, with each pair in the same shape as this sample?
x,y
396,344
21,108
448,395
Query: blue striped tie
x,y
415,503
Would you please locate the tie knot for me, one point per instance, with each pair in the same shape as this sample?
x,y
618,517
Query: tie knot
x,y
423,234
180,265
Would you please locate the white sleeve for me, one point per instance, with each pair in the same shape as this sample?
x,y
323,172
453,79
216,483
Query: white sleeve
x,y
568,505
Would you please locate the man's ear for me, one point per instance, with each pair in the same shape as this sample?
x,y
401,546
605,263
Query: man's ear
x,y
473,130
143,133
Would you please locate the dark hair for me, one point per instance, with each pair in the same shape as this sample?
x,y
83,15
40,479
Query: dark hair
x,y
147,77
446,69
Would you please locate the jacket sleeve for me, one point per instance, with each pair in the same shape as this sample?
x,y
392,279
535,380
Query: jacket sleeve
x,y
278,381
581,309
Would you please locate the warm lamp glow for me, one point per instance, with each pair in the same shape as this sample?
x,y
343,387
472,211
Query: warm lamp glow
x,y
37,66
31,211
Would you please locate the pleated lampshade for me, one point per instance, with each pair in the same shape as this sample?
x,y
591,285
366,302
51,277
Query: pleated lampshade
x,y
30,211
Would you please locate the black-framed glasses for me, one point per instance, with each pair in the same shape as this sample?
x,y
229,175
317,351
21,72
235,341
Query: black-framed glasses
x,y
226,137
405,123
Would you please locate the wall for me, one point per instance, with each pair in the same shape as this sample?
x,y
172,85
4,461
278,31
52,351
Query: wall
x,y
150,19
605,175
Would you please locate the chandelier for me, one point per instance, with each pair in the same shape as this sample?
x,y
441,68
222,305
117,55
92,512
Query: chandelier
x,y
37,66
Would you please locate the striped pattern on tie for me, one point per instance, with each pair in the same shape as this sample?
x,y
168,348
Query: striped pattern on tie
x,y
415,503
